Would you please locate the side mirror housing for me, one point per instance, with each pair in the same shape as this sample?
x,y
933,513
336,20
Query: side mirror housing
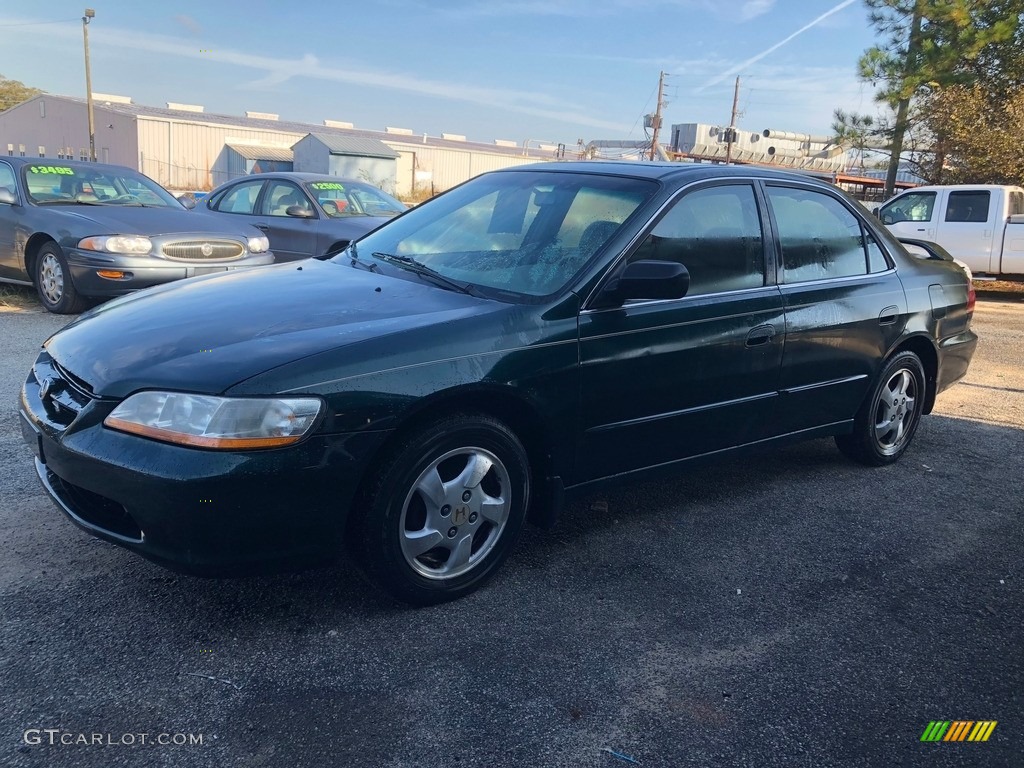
x,y
188,201
299,212
7,197
650,280
875,211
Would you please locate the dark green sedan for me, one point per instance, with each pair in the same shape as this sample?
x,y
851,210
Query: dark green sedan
x,y
482,358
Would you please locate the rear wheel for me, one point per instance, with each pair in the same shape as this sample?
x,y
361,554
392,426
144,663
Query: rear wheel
x,y
53,282
886,423
441,514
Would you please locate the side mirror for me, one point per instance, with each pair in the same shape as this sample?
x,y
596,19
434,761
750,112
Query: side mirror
x,y
299,212
7,197
875,211
888,218
650,280
188,201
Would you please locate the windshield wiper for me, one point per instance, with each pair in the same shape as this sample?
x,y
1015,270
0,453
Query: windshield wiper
x,y
351,252
68,202
409,263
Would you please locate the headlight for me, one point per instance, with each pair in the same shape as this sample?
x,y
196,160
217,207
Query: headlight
x,y
203,421
118,244
259,244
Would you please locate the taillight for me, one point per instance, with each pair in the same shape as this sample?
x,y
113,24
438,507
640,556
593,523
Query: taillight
x,y
972,298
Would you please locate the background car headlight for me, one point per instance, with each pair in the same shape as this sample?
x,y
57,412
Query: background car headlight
x,y
259,244
204,421
118,244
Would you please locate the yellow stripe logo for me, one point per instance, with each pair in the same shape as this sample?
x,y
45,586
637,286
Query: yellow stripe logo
x,y
959,730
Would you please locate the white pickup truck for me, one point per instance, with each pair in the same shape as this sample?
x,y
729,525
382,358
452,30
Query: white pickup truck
x,y
981,225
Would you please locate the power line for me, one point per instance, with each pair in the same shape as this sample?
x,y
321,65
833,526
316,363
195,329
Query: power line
x,y
39,23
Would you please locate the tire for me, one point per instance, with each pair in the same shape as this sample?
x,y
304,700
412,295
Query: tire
x,y
460,484
53,282
887,421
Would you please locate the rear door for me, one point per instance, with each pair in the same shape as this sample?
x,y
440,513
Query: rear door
x,y
844,305
970,218
669,379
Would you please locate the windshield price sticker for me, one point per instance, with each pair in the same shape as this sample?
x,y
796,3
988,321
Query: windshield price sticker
x,y
328,185
59,169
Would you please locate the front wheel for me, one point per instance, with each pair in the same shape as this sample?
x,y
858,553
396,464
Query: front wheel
x,y
53,282
888,419
442,513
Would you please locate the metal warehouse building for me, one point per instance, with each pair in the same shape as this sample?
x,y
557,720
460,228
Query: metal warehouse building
x,y
185,148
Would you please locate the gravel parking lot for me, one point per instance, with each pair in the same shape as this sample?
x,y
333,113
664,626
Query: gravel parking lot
x,y
786,609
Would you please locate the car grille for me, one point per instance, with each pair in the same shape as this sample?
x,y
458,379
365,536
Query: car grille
x,y
203,250
63,394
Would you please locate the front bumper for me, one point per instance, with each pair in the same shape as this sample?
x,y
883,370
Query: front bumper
x,y
197,511
143,271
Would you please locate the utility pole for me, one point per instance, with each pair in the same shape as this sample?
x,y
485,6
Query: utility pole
x,y
657,116
89,14
731,133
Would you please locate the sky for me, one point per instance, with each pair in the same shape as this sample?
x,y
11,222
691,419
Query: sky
x,y
544,71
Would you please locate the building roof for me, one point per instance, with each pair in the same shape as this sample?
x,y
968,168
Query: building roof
x,y
262,152
359,146
288,126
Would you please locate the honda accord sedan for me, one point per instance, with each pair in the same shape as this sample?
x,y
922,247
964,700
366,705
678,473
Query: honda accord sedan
x,y
515,342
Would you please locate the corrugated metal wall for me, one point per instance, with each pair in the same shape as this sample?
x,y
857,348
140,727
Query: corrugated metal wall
x,y
58,124
192,155
189,154
446,167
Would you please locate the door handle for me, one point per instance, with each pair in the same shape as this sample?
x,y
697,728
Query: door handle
x,y
888,316
263,227
762,334
921,229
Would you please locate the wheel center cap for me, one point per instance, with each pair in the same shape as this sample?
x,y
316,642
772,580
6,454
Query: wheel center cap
x,y
460,514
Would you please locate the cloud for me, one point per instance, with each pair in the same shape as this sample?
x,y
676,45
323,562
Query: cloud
x,y
754,8
189,23
768,51
277,71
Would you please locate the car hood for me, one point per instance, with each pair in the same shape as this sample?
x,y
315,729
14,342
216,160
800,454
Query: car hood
x,y
206,334
131,220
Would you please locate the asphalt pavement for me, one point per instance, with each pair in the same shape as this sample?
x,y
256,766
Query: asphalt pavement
x,y
787,609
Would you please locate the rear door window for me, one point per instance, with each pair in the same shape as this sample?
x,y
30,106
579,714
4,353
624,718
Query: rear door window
x,y
968,206
820,238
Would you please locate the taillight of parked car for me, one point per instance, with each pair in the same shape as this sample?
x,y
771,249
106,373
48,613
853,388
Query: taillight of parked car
x,y
972,298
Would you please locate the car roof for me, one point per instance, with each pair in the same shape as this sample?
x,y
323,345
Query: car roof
x,y
296,176
663,170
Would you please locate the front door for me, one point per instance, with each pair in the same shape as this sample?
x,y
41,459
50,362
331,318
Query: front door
x,y
669,379
10,216
912,214
291,237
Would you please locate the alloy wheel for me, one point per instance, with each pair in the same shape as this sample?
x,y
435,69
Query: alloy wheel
x,y
455,513
896,411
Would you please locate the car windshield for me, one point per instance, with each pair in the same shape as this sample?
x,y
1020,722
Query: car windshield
x,y
513,234
85,185
340,199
